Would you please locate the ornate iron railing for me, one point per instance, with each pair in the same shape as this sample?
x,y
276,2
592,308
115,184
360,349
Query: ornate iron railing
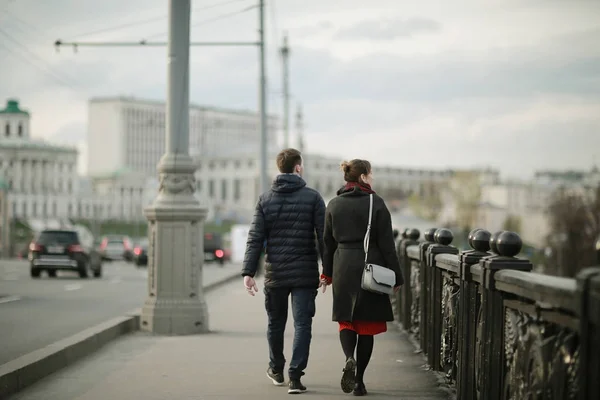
x,y
494,329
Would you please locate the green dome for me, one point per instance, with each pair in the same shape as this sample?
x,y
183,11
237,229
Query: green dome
x,y
12,107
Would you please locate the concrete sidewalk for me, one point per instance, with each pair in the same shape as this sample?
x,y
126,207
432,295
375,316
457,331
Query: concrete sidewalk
x,y
230,362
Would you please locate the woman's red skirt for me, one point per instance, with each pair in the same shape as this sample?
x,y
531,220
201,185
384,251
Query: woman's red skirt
x,y
365,327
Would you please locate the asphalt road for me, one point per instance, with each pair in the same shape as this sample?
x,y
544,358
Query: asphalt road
x,y
37,312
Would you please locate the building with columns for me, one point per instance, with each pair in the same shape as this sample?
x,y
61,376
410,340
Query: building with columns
x,y
41,187
41,177
230,186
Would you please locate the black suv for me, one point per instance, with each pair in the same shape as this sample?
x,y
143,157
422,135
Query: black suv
x,y
56,249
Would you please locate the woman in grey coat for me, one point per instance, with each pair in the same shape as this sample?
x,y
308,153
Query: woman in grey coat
x,y
360,314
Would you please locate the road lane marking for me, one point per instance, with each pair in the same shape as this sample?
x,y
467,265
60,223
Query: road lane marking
x,y
71,287
9,299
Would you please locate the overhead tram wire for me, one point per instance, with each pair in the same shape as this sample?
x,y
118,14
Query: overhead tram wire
x,y
209,20
56,76
48,72
148,20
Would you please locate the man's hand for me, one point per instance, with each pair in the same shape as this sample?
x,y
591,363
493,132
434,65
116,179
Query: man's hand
x,y
323,284
250,285
396,289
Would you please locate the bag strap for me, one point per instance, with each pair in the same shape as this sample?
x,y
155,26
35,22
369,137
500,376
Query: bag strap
x,y
368,234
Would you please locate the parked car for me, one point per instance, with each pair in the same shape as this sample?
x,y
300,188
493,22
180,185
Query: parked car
x,y
140,252
116,247
213,248
63,249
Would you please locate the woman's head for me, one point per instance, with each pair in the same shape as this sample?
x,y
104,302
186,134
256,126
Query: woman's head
x,y
357,171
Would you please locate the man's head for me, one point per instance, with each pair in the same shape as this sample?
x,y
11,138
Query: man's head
x,y
289,161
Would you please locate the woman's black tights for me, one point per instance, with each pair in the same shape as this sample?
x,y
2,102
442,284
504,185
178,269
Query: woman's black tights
x,y
364,348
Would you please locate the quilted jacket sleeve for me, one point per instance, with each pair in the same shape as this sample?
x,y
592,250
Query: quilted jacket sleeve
x,y
255,243
319,216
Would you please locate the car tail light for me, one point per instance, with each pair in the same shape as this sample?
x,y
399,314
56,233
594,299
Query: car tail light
x,y
35,247
104,244
219,253
75,248
137,251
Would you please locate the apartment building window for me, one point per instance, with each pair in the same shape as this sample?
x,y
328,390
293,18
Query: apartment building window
x,y
69,210
236,189
211,188
7,129
20,130
44,209
34,209
224,189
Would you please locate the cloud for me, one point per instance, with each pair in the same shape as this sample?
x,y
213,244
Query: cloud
x,y
389,29
484,84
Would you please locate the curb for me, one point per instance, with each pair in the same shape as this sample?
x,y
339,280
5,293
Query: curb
x,y
26,370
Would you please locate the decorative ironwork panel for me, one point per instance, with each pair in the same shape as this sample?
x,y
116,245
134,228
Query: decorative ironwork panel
x,y
479,347
415,308
449,339
541,358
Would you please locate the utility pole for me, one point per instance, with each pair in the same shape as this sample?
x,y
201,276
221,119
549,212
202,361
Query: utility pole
x,y
264,180
175,303
300,136
300,127
285,53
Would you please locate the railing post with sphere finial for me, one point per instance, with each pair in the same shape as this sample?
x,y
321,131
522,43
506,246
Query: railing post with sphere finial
x,y
506,245
443,238
468,306
424,327
404,299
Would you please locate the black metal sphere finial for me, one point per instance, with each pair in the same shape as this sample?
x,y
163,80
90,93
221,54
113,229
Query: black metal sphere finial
x,y
413,234
471,236
481,240
443,236
494,240
509,244
429,234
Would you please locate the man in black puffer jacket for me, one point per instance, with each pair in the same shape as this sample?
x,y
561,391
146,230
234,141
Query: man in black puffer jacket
x,y
287,217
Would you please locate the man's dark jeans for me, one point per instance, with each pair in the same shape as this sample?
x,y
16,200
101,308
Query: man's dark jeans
x,y
303,310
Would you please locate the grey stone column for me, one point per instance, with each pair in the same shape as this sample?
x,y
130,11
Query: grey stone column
x,y
175,303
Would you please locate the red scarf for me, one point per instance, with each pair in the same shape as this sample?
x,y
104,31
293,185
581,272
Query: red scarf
x,y
365,187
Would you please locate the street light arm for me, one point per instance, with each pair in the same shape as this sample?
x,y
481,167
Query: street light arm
x,y
144,42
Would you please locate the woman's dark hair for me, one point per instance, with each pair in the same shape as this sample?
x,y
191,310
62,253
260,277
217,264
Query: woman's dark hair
x,y
353,169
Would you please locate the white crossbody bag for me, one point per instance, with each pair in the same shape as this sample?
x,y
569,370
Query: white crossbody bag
x,y
376,278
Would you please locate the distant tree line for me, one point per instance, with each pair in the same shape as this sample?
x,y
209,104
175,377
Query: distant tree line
x,y
574,241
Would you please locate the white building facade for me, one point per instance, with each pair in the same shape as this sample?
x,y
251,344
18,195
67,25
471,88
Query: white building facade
x,y
41,187
41,178
529,201
125,132
230,186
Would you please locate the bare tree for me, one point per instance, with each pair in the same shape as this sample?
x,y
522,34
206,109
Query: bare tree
x,y
466,192
575,229
428,203
512,223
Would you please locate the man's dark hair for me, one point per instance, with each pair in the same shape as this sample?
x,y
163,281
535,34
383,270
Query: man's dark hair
x,y
287,160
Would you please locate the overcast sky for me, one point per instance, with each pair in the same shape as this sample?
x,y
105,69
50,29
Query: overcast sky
x,y
511,84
